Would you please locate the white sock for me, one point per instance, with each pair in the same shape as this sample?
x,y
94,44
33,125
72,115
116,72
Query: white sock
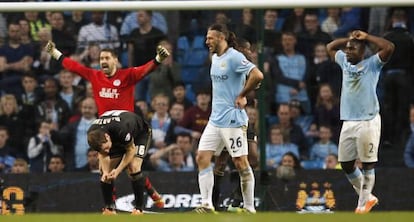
x,y
367,185
205,183
247,188
355,178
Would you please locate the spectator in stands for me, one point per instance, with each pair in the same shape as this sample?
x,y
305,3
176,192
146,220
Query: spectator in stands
x,y
90,56
271,36
322,70
288,73
299,118
62,34
166,75
7,157
99,31
246,28
173,163
331,162
20,165
25,37
73,136
331,23
36,23
350,20
289,159
409,146
142,43
76,21
287,168
398,80
43,65
143,38
71,94
179,93
56,164
161,122
52,107
27,104
92,164
322,148
185,142
311,35
15,59
196,118
277,146
130,23
142,108
41,148
294,132
294,21
327,111
10,118
177,112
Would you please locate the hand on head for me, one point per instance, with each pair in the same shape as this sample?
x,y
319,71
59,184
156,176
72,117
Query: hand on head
x,y
358,34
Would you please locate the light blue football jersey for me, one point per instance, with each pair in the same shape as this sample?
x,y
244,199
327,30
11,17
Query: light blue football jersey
x,y
228,74
359,83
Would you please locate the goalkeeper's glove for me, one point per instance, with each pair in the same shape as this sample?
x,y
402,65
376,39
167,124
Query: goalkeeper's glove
x,y
162,53
51,49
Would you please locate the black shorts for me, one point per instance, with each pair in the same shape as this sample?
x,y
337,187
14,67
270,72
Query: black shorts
x,y
142,141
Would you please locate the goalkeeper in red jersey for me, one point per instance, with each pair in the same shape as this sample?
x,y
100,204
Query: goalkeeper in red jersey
x,y
113,88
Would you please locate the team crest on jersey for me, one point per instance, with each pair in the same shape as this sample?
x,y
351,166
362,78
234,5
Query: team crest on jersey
x,y
117,82
223,65
128,137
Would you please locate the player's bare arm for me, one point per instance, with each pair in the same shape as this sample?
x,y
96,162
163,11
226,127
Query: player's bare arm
x,y
335,45
385,47
130,152
105,165
255,77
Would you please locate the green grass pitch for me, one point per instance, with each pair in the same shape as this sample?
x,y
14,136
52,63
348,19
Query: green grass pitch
x,y
395,216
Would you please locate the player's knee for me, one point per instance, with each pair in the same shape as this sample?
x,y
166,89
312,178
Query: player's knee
x,y
348,167
136,176
203,159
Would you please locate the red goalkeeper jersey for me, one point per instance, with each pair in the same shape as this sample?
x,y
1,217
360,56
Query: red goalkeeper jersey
x,y
116,92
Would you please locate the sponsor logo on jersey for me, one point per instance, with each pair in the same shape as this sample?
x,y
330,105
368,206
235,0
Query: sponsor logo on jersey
x,y
219,78
109,93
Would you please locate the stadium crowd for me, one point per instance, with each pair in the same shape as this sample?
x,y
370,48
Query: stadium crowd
x,y
45,110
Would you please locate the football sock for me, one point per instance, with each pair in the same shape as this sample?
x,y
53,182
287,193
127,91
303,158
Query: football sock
x,y
205,183
355,178
247,188
218,177
367,185
148,187
107,189
138,183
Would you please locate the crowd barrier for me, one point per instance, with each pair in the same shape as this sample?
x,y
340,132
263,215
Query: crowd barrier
x,y
307,191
